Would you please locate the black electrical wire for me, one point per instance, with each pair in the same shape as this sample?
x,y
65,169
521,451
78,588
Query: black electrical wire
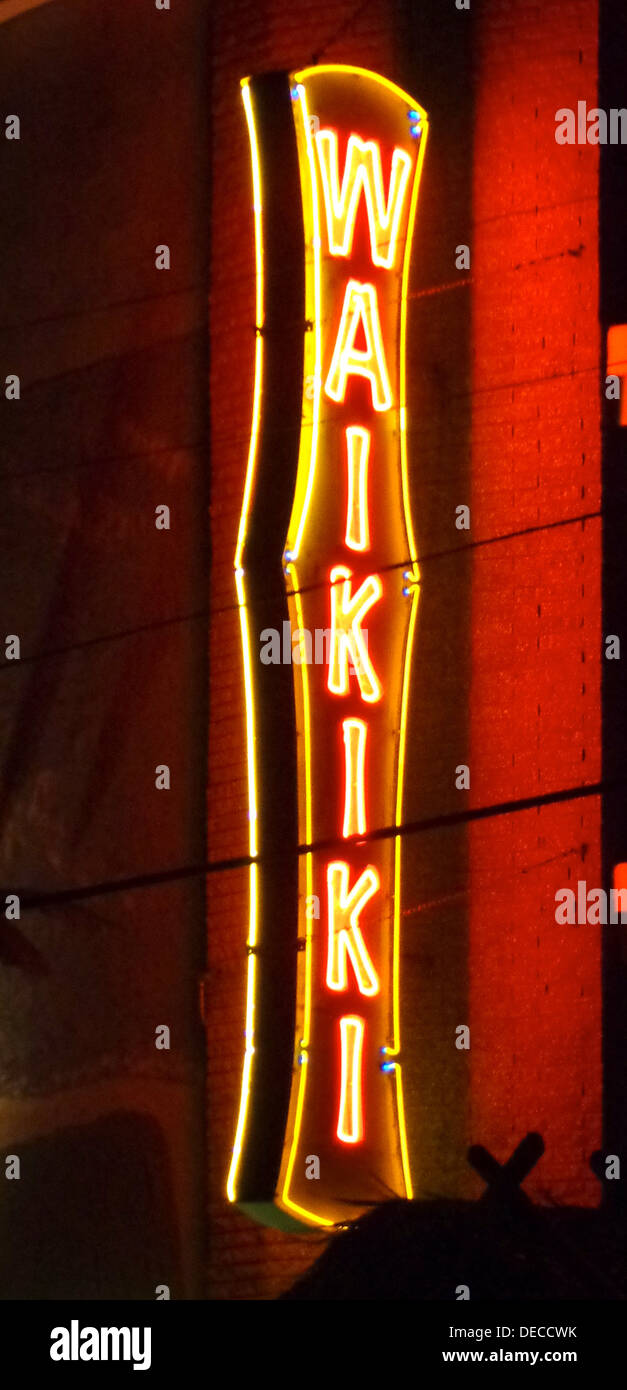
x,y
207,614
39,901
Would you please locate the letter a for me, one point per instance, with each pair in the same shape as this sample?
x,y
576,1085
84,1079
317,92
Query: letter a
x,y
360,307
565,126
565,911
59,1344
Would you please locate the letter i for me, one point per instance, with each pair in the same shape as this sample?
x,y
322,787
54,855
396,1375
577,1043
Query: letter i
x,y
357,451
355,733
350,1125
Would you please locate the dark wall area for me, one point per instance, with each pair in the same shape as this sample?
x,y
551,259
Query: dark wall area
x,y
111,615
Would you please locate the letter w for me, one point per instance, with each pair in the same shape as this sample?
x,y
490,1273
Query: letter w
x,y
362,170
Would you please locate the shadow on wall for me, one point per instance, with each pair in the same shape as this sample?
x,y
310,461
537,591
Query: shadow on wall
x,y
92,1215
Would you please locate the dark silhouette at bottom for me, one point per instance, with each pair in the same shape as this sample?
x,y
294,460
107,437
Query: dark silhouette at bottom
x,y
501,1247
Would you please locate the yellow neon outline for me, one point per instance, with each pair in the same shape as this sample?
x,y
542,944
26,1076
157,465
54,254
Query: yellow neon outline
x,y
351,1078
295,533
294,543
288,1201
259,318
354,791
341,204
415,576
357,536
351,642
396,924
347,360
349,68
251,974
402,343
292,574
340,943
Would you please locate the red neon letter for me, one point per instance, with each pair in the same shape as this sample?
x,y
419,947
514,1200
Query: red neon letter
x,y
354,731
344,936
362,169
357,449
360,306
350,1125
347,614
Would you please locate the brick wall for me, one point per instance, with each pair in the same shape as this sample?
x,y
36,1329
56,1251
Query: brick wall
x,y
536,619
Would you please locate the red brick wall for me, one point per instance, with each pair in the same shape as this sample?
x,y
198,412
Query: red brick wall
x,y
536,647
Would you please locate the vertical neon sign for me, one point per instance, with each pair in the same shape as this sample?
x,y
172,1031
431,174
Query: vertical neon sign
x,y
351,572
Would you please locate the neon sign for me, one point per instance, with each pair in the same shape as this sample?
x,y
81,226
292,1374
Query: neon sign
x,y
350,569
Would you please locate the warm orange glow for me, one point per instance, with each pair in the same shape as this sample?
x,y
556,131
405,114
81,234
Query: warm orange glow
x,y
362,171
344,938
357,452
617,362
361,306
350,1125
355,732
348,646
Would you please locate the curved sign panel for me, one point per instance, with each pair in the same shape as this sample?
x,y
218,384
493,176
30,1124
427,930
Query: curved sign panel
x,y
351,578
